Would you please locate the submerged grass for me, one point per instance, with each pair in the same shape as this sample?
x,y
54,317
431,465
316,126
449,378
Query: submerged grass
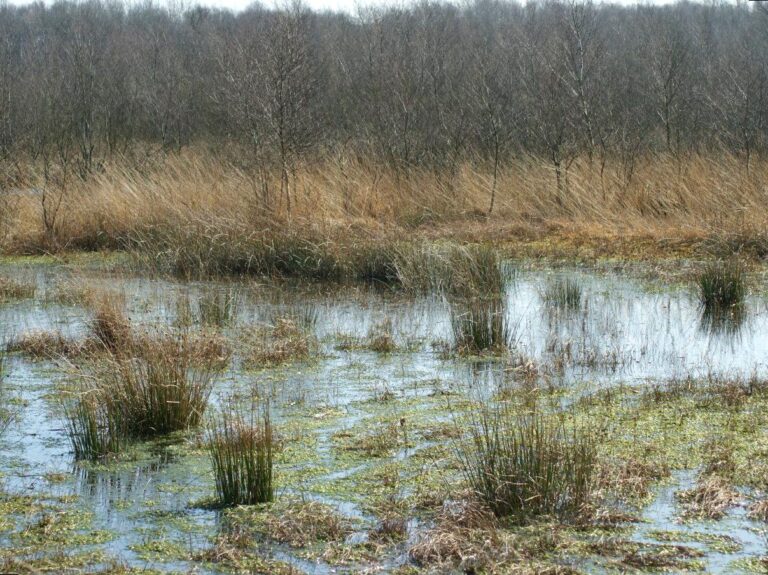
x,y
241,452
282,342
522,467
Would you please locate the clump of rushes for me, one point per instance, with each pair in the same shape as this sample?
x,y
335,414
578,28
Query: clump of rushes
x,y
48,345
479,326
218,308
13,290
110,326
165,387
563,294
241,453
522,467
284,342
94,426
157,386
722,287
381,339
457,271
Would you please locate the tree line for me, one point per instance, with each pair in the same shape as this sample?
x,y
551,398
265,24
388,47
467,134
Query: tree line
x,y
428,85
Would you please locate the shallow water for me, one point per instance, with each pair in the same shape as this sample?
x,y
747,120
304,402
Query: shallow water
x,y
625,330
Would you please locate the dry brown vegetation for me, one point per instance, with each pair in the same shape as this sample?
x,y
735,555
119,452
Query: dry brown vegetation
x,y
194,213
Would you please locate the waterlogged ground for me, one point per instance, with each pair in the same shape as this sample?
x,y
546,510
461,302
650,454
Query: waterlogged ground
x,y
366,473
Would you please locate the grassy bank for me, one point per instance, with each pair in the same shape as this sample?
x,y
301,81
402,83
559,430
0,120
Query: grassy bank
x,y
196,214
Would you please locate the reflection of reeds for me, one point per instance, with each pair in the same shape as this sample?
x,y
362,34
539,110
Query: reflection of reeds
x,y
241,454
563,294
527,466
479,326
727,322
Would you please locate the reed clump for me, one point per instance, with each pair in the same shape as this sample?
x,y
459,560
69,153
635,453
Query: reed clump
x,y
156,386
94,426
110,326
526,466
480,326
722,287
241,452
563,294
280,343
218,308
48,345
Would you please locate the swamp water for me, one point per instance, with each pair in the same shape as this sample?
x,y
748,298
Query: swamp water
x,y
361,428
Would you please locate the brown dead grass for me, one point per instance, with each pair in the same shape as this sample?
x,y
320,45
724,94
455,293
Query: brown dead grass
x,y
710,498
280,343
704,203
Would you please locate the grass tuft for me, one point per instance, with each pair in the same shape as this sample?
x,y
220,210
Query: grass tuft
x,y
722,287
524,467
156,386
480,326
241,453
110,326
563,294
218,308
13,290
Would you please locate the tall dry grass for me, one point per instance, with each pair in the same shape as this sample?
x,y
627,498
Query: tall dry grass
x,y
189,209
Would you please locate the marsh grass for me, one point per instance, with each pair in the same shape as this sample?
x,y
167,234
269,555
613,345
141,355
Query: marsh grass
x,y
165,387
6,413
218,308
110,326
722,287
563,294
94,426
480,326
48,345
381,339
14,290
450,269
281,342
526,466
241,453
159,385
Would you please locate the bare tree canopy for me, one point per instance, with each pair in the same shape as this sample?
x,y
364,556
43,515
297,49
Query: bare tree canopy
x,y
427,85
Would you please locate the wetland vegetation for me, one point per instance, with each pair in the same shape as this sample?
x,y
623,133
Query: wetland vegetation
x,y
582,421
441,288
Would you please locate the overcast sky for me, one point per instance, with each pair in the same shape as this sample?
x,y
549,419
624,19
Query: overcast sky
x,y
337,5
